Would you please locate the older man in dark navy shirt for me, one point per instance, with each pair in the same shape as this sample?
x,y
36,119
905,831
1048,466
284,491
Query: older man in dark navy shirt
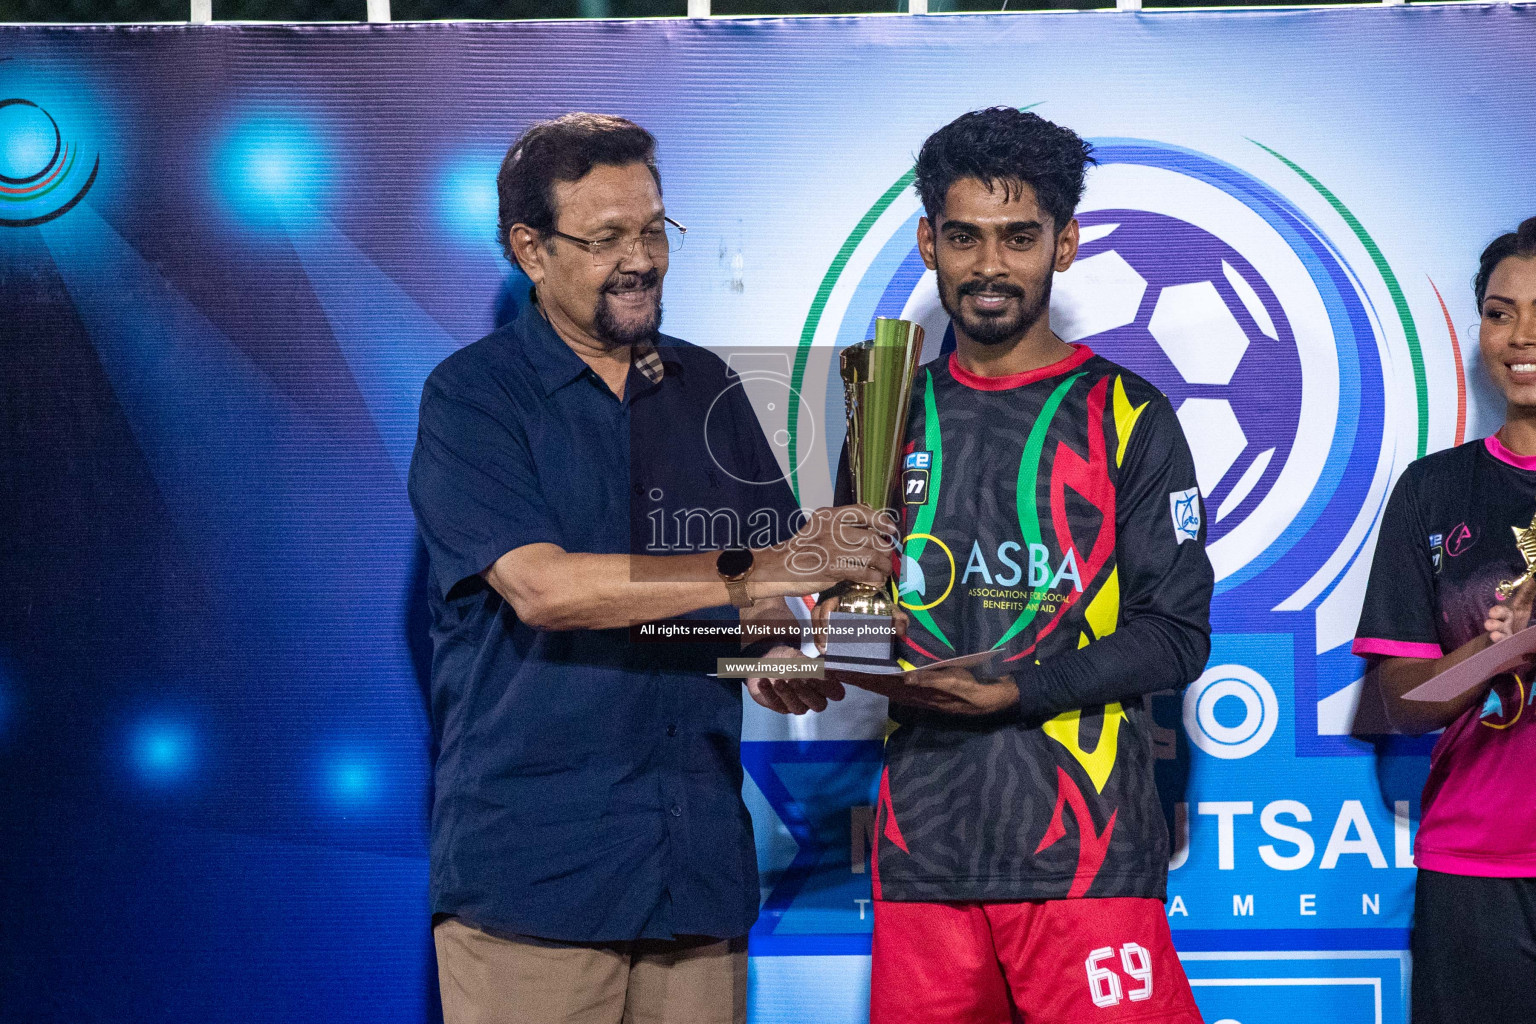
x,y
592,859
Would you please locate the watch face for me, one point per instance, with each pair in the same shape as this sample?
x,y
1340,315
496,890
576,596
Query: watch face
x,y
733,562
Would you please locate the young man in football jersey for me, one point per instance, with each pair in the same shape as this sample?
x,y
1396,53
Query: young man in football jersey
x,y
1052,512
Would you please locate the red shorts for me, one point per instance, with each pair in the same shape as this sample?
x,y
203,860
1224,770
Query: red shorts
x,y
1076,961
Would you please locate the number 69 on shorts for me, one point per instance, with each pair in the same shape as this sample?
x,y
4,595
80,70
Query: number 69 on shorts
x,y
1104,984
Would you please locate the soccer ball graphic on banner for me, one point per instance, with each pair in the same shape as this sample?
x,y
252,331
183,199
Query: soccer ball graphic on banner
x,y
1187,311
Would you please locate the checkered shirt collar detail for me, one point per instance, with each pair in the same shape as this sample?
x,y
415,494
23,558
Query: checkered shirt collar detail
x,y
643,357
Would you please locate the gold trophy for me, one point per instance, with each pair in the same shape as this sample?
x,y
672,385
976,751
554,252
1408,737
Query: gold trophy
x,y
877,388
1525,541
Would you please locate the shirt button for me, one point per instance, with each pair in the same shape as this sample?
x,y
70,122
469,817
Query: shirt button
x,y
672,730
677,810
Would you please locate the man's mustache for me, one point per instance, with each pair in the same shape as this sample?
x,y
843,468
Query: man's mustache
x,y
991,288
633,282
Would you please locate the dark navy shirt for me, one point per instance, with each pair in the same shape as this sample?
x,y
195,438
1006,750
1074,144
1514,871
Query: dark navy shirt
x,y
587,786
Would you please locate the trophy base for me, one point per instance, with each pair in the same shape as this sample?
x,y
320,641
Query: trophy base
x,y
872,602
862,643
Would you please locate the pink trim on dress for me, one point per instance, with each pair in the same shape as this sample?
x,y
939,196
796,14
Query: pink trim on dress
x,y
1018,380
1497,450
1395,648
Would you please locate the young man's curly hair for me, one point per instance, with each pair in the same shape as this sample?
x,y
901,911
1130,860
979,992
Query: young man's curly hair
x,y
1005,148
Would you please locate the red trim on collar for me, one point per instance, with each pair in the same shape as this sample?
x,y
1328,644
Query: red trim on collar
x,y
1017,380
1497,450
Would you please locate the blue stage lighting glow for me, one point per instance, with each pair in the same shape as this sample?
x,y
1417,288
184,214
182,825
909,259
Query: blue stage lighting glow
x,y
352,779
466,198
162,751
26,141
273,171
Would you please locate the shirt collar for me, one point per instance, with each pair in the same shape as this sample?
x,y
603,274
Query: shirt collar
x,y
647,360
1080,355
557,365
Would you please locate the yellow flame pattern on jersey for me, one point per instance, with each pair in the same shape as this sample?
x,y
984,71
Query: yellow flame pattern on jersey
x,y
1126,416
1099,762
1103,615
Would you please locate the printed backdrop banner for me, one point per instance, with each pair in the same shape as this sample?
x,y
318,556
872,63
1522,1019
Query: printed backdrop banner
x,y
231,255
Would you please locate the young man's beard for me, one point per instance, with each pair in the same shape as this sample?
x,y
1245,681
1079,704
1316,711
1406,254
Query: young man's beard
x,y
996,330
609,328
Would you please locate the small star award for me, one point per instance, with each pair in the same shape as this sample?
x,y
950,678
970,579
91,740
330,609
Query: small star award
x,y
1525,540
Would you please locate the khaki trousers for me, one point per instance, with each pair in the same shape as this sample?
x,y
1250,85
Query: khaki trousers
x,y
493,979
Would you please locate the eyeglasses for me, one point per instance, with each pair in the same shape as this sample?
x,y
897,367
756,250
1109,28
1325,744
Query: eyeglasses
x,y
614,249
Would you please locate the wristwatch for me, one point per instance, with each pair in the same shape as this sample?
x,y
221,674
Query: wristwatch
x,y
734,566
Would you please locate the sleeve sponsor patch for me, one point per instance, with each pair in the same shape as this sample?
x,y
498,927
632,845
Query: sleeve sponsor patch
x,y
1185,506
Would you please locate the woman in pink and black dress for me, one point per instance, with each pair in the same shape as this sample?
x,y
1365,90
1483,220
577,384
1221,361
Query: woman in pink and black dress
x,y
1445,545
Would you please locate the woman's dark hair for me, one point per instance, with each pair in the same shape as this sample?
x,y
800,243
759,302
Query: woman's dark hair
x,y
1005,147
1519,242
565,149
